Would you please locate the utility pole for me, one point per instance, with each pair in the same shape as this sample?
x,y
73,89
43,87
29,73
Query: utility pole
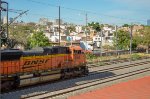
x,y
86,28
2,10
131,27
101,41
116,40
7,21
4,30
0,23
59,25
0,16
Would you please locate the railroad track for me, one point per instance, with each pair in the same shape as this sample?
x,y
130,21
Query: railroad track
x,y
121,67
106,63
91,83
61,95
96,72
110,62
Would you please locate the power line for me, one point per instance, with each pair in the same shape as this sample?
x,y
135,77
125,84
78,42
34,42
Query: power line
x,y
15,10
85,11
64,18
42,3
41,15
24,12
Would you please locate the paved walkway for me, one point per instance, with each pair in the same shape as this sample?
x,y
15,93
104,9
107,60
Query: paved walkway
x,y
134,89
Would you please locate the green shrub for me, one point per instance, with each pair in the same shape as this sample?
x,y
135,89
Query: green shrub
x,y
101,63
135,56
90,56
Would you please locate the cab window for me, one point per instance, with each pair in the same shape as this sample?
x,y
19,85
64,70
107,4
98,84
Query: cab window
x,y
77,51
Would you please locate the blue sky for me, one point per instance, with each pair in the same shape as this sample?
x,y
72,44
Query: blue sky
x,y
103,11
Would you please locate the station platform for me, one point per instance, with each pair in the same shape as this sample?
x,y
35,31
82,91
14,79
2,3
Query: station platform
x,y
134,89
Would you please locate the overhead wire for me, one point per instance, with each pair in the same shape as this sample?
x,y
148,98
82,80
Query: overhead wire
x,y
85,11
41,15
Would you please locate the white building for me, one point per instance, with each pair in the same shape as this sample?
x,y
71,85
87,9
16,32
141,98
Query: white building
x,y
148,22
97,40
108,35
106,39
47,34
78,29
73,38
55,38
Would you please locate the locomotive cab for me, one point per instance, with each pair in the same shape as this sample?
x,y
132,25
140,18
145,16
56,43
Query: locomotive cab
x,y
74,51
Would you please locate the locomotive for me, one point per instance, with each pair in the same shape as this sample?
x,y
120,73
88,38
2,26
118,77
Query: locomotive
x,y
21,68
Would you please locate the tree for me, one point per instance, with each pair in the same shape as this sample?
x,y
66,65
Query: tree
x,y
83,28
96,26
38,39
31,24
125,25
123,39
20,33
136,40
134,43
71,28
146,37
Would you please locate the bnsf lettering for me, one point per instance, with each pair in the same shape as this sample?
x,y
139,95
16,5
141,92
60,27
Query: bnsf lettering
x,y
35,62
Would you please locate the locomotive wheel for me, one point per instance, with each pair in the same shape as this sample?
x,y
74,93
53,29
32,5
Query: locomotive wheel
x,y
85,71
10,84
7,85
16,82
62,74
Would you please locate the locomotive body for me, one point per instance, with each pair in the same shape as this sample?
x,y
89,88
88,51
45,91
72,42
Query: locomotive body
x,y
21,68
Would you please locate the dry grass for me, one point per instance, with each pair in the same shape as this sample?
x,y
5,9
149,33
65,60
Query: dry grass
x,y
127,56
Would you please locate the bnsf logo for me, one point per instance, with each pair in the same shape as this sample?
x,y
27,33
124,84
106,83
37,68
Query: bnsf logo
x,y
32,63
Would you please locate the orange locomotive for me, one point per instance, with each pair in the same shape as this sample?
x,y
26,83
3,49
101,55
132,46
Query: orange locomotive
x,y
21,68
